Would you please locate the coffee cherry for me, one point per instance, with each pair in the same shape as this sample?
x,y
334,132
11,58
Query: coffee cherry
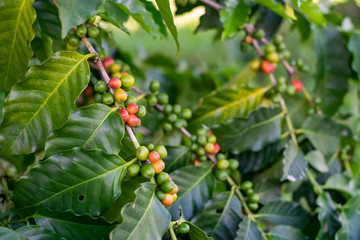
x,y
130,99
132,108
133,169
147,171
91,20
290,89
298,85
281,87
168,200
81,31
201,132
253,198
163,98
158,166
120,95
175,189
162,177
223,164
211,139
154,156
115,83
124,114
317,101
107,62
162,151
167,186
183,228
270,48
150,146
100,87
201,151
71,48
167,127
179,123
117,75
267,67
216,148
221,175
282,80
259,33
186,113
276,98
243,46
142,153
154,86
233,164
177,109
171,117
255,65
281,47
127,81
97,98
203,158
133,120
193,147
107,98
278,39
220,156
93,32
310,111
209,147
272,57
152,100
253,206
248,39
168,109
141,111
246,185
160,195
193,138
285,54
202,140
249,191
73,40
115,67
174,196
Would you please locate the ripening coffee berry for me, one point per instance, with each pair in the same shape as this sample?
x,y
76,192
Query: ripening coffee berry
x,y
246,185
147,171
124,114
259,33
120,95
154,156
186,114
168,200
211,139
233,164
107,98
202,140
91,20
248,39
107,62
209,147
270,48
298,85
127,81
130,99
177,109
162,177
73,40
255,65
115,83
158,166
167,186
223,164
171,117
272,57
71,48
175,189
152,100
267,67
183,228
253,206
115,68
133,169
97,97
133,120
174,196
81,31
142,153
162,151
154,86
216,148
132,108
253,198
93,32
221,175
160,195
163,98
168,109
141,111
100,87
201,151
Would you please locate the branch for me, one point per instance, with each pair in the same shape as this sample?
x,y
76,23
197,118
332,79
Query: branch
x,y
212,4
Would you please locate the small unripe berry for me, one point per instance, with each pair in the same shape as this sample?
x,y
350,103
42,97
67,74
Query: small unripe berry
x,y
163,98
133,169
115,83
154,156
255,65
233,164
115,67
253,206
278,39
107,98
147,171
141,111
154,86
202,140
130,99
272,57
71,48
171,117
162,177
124,114
167,127
150,146
222,164
97,97
73,40
93,32
183,228
160,195
100,87
246,185
133,120
81,31
168,109
127,81
221,175
132,108
201,151
167,186
186,113
107,62
152,100
270,48
253,198
162,151
259,33
91,20
142,153
177,109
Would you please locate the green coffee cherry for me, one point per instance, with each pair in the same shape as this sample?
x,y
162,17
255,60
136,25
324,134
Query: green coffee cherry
x,y
183,228
211,138
246,185
160,195
73,40
282,80
278,39
193,138
233,164
152,100
179,123
107,98
130,99
201,132
154,86
220,156
186,113
147,171
81,31
270,48
202,140
133,169
223,164
93,32
253,198
193,147
141,111
150,146
91,20
167,186
259,33
168,109
163,98
167,127
253,206
290,89
177,109
97,97
142,153
221,175
162,151
171,117
162,177
100,87
201,151
281,87
203,158
249,191
127,81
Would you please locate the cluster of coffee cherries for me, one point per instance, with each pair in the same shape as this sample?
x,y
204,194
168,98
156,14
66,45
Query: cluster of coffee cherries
x,y
224,167
345,152
312,109
283,87
252,198
88,29
132,114
149,164
202,143
300,65
115,69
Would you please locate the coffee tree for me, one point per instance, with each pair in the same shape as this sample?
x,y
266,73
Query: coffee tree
x,y
92,147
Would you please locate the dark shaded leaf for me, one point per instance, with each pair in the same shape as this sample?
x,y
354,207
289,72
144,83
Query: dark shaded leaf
x,y
295,166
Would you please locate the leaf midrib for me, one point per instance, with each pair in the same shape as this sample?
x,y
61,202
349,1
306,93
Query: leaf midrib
x,y
177,159
195,183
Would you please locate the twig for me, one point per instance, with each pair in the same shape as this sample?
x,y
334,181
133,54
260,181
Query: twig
x,y
172,233
288,121
212,4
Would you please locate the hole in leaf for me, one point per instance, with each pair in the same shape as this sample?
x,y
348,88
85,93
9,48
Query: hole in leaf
x,y
81,198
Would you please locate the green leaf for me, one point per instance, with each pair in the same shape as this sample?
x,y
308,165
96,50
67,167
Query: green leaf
x,y
332,72
342,184
115,15
84,181
317,161
268,190
354,48
220,217
295,166
284,213
313,13
146,218
2,101
38,233
43,102
350,218
178,157
269,21
70,226
7,233
286,232
42,47
243,77
128,151
48,18
323,133
17,17
233,17
262,127
196,186
222,105
274,6
195,233
75,12
93,127
328,217
164,8
248,230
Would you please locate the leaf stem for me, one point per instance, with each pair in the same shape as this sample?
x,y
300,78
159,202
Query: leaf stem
x,y
212,4
172,232
288,121
317,188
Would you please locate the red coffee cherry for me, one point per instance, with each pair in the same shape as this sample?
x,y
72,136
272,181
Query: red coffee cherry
x,y
115,83
154,156
132,108
248,39
267,67
216,148
133,120
124,114
168,200
107,62
298,85
158,166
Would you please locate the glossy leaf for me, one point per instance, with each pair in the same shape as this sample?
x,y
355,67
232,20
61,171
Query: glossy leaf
x,y
75,12
233,16
259,129
313,12
16,34
323,133
332,72
222,105
146,218
43,102
274,6
354,48
70,226
221,216
196,185
195,233
48,18
33,232
128,151
93,127
84,181
342,184
284,213
295,166
7,233
178,157
268,190
248,230
317,161
286,232
42,47
350,217
328,217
